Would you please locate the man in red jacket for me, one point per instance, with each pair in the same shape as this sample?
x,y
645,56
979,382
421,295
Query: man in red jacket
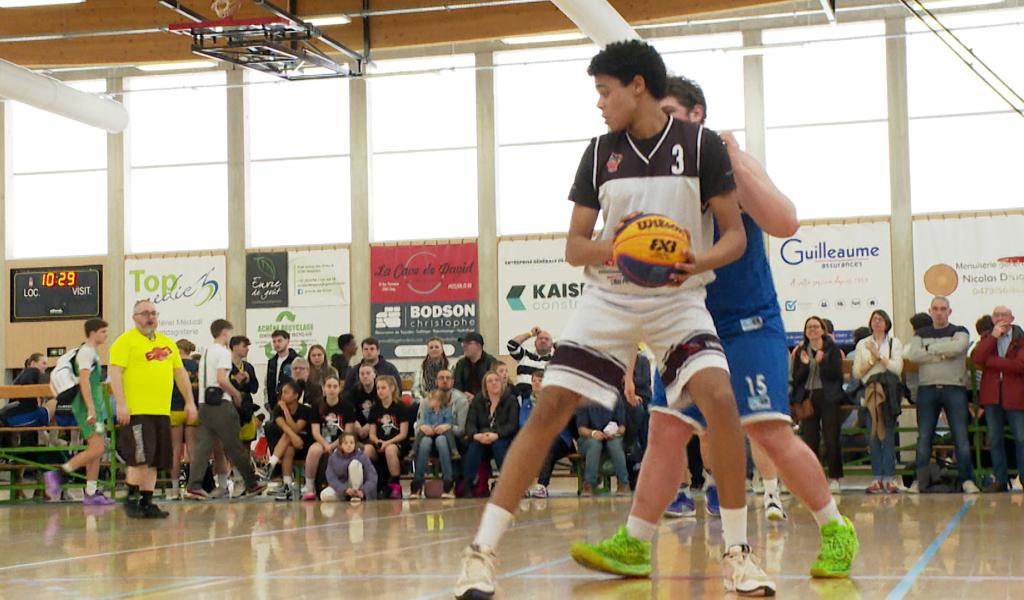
x,y
1000,355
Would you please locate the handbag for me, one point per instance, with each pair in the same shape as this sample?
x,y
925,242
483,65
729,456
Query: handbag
x,y
804,408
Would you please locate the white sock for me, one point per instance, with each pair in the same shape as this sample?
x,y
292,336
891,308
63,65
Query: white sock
x,y
734,526
90,487
273,462
222,480
640,529
66,467
709,479
492,526
771,486
828,514
287,479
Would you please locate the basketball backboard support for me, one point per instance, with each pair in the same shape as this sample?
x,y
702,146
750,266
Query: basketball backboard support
x,y
280,44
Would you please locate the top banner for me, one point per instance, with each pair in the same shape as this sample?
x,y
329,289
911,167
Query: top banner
x,y
976,262
537,287
840,272
421,291
266,280
188,292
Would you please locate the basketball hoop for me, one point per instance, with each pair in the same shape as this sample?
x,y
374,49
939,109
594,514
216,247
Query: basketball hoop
x,y
226,9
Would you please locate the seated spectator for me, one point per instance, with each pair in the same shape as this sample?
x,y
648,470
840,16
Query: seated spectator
x,y
473,366
563,446
491,424
389,436
530,361
817,371
1000,355
602,430
362,397
460,410
332,418
31,412
435,424
638,390
300,375
425,379
372,357
350,474
291,438
878,362
342,362
319,371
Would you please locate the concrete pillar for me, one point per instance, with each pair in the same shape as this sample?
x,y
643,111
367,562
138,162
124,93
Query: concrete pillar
x,y
753,98
6,168
487,202
901,228
361,161
118,187
238,194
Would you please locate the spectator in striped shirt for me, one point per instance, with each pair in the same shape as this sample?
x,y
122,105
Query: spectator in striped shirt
x,y
529,362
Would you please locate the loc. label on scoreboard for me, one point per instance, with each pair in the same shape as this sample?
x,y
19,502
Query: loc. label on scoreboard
x,y
56,293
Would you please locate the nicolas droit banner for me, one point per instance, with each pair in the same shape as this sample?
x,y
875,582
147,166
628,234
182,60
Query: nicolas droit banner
x,y
421,291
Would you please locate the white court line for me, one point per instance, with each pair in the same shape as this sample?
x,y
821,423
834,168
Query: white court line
x,y
69,559
191,587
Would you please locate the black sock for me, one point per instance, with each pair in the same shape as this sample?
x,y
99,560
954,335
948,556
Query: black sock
x,y
133,493
146,499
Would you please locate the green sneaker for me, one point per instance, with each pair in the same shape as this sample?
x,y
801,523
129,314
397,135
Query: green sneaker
x,y
838,548
621,554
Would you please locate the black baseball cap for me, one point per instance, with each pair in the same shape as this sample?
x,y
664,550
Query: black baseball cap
x,y
472,337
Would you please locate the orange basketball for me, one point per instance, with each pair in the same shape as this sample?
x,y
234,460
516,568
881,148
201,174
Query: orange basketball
x,y
647,247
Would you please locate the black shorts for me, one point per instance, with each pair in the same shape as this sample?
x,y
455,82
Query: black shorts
x,y
146,442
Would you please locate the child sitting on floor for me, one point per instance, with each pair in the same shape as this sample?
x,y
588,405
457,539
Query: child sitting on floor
x,y
350,474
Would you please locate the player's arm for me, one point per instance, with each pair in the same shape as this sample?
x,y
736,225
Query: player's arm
x,y
580,248
117,388
759,197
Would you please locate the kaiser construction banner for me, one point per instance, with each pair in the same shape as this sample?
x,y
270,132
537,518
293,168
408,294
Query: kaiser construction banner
x,y
188,291
976,262
420,291
840,272
536,288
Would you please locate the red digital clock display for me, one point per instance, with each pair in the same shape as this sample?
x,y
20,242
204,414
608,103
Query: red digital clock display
x,y
60,279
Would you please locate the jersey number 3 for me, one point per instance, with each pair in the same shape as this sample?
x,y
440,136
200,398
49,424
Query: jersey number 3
x,y
677,154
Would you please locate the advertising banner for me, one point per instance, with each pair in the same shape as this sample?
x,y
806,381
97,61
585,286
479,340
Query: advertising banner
x,y
266,280
536,287
319,278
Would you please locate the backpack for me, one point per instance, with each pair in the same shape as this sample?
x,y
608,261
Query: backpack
x,y
64,378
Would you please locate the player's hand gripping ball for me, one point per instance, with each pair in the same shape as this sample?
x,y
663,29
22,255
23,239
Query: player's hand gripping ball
x,y
647,247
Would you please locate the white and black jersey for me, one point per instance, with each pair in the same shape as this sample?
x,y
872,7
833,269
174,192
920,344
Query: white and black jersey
x,y
674,173
529,363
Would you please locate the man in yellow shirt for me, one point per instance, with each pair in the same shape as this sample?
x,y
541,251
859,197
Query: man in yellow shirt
x,y
144,366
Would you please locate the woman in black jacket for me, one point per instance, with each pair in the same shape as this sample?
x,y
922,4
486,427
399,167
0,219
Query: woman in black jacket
x,y
818,375
490,425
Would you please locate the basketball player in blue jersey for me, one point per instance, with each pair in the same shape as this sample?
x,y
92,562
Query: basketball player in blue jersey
x,y
649,162
743,302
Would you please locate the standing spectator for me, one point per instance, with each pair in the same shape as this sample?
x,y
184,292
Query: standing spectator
x,y
475,363
219,421
425,380
372,357
362,397
940,351
144,364
601,429
530,362
878,363
300,375
31,412
292,437
1000,354
279,369
330,420
243,378
563,446
319,371
432,435
91,411
818,376
638,390
342,362
492,422
182,435
350,474
389,434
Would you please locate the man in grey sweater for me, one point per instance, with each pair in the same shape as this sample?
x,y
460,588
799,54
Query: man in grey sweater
x,y
940,351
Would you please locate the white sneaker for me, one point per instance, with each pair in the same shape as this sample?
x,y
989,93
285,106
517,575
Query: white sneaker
x,y
914,488
971,488
174,493
834,486
539,491
743,575
478,576
218,493
1015,485
773,508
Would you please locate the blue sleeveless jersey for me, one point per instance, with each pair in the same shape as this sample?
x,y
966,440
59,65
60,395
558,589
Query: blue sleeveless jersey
x,y
742,298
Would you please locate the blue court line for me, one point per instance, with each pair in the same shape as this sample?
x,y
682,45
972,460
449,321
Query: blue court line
x,y
905,584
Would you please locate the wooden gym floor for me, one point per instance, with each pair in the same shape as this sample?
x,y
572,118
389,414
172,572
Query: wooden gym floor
x,y
932,546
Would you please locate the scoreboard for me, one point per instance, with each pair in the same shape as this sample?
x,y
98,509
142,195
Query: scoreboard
x,y
56,293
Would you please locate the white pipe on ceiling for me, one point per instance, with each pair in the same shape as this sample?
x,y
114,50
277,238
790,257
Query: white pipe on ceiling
x,y
598,20
45,93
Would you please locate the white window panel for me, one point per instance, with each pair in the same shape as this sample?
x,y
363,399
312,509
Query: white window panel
x,y
181,120
533,187
71,206
300,202
174,209
705,60
291,119
44,141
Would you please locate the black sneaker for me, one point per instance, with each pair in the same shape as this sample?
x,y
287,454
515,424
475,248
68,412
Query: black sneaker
x,y
152,511
132,509
284,494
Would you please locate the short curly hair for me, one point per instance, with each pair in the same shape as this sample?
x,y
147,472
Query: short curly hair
x,y
625,60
